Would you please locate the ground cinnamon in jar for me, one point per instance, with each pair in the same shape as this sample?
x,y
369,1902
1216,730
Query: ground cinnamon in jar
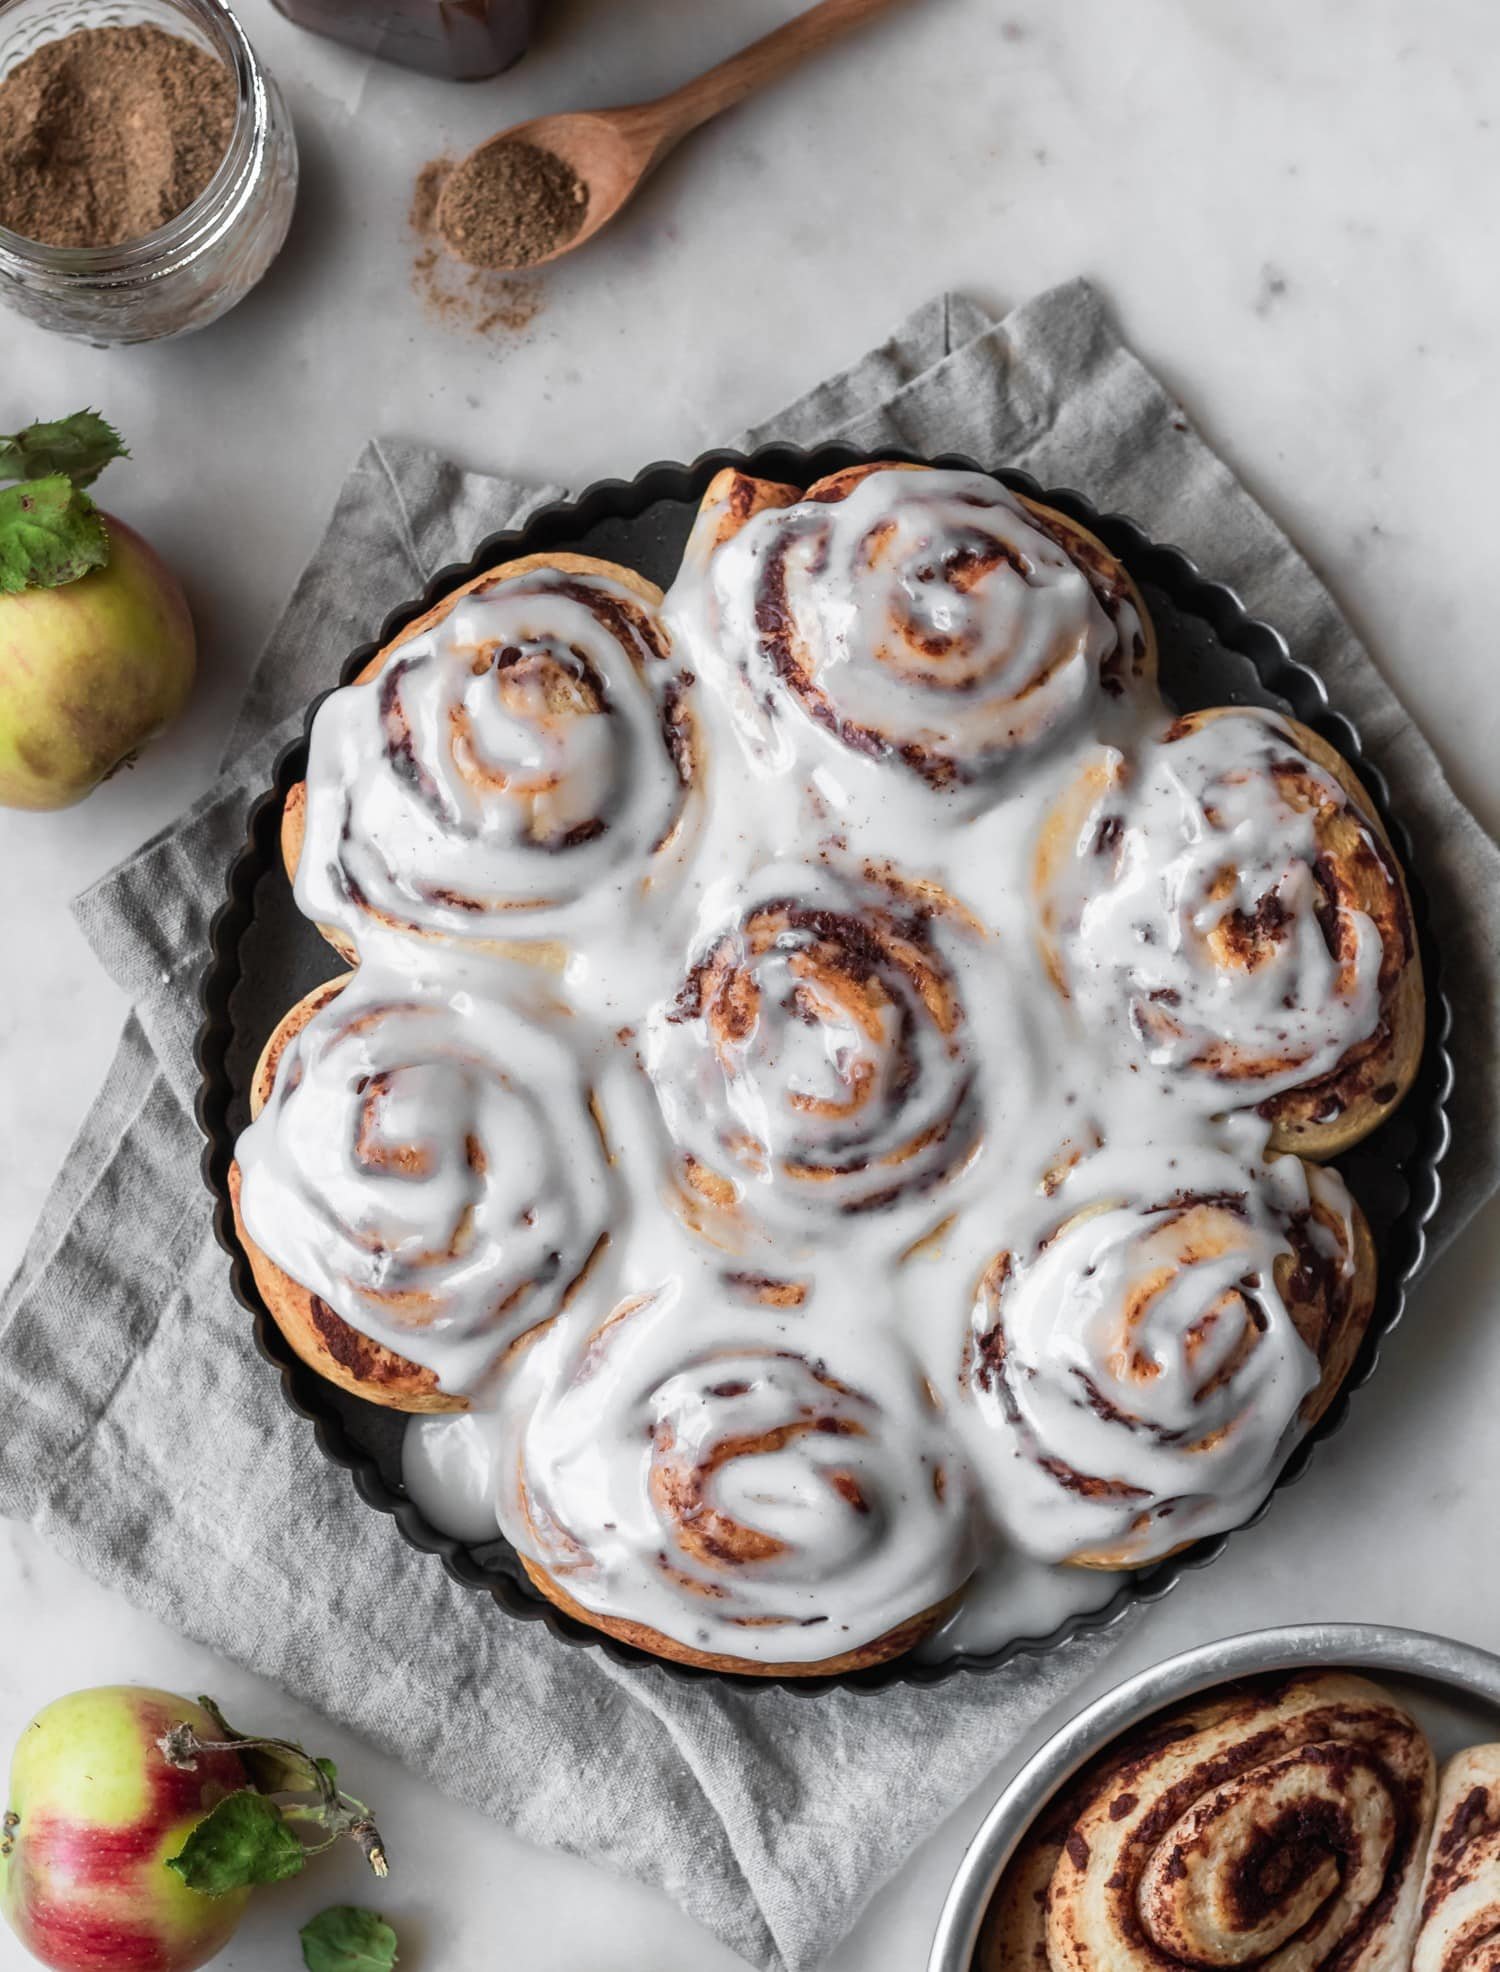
x,y
108,133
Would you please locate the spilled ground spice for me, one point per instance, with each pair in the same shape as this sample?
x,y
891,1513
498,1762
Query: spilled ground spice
x,y
469,298
512,204
108,133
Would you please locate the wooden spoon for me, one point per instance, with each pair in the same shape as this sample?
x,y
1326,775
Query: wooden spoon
x,y
613,152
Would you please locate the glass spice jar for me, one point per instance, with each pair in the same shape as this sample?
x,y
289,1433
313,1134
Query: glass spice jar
x,y
191,270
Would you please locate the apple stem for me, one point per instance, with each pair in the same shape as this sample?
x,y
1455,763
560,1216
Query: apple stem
x,y
335,1812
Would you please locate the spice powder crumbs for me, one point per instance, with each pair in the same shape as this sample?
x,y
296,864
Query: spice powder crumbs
x,y
470,298
511,204
109,132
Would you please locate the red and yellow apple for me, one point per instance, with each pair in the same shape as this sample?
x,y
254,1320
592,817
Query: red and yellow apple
x,y
93,1814
89,672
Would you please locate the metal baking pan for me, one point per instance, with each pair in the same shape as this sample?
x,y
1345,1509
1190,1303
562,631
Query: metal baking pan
x,y
1452,1689
264,956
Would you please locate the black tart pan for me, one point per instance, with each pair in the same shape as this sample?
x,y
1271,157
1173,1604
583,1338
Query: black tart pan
x,y
264,956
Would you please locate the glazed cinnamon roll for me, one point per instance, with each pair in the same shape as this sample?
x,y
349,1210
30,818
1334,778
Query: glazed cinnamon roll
x,y
927,618
816,1058
1139,1371
422,1182
1281,1825
1224,906
512,772
715,1492
1459,1927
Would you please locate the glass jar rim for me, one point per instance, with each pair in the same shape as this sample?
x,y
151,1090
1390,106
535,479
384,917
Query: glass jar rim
x,y
202,219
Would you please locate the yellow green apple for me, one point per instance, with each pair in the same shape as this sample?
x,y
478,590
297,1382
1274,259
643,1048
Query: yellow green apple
x,y
93,1813
89,672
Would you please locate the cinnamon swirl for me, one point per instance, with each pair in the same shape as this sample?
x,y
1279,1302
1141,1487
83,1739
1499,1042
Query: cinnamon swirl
x,y
1281,1825
927,618
716,1493
1222,905
1459,1927
422,1182
513,771
1139,1372
816,1057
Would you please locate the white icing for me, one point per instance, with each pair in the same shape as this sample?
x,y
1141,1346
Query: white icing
x,y
1014,1597
427,1164
448,1469
957,1089
508,774
1188,841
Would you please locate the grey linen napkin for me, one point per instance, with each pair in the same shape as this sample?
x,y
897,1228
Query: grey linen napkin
x,y
145,1439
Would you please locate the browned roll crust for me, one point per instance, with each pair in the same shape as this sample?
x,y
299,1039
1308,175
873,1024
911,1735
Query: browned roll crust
x,y
1460,1910
543,952
895,1643
339,1353
1326,1117
1277,1824
1358,873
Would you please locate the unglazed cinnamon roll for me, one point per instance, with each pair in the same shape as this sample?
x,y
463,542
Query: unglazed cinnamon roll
x,y
692,1485
422,1182
1277,1828
927,618
512,771
1459,1927
1140,1370
816,1058
1223,905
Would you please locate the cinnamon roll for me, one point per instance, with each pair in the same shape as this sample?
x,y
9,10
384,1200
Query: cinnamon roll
x,y
816,1058
1223,905
1459,1926
513,771
1139,1371
1281,1825
712,1490
927,618
421,1183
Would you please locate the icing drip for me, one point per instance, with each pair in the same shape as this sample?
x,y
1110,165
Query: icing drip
x,y
1192,919
517,770
427,1164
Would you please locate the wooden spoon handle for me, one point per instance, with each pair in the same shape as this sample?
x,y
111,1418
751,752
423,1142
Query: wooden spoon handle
x,y
752,68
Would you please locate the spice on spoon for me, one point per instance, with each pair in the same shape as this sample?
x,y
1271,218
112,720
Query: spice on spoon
x,y
109,132
476,299
510,205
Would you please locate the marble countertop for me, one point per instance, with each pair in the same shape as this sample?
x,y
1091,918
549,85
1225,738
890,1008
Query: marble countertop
x,y
1286,206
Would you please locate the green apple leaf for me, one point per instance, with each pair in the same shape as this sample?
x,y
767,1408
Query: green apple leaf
x,y
79,448
347,1939
243,1840
50,534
